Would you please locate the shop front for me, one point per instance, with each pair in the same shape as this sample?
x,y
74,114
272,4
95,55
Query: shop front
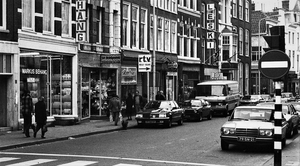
x,y
50,76
99,80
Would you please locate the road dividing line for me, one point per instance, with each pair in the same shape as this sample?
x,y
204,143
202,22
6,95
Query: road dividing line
x,y
4,159
111,158
32,162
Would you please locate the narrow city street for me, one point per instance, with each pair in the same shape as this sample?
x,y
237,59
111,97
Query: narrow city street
x,y
193,143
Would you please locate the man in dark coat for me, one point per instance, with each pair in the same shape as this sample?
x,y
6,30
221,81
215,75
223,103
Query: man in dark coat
x,y
115,108
40,117
27,108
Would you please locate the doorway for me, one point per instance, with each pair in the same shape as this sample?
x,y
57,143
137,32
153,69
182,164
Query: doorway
x,y
3,99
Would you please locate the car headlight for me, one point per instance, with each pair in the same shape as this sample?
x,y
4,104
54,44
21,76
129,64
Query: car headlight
x,y
266,133
162,115
139,115
227,130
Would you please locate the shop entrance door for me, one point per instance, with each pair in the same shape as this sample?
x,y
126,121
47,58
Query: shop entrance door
x,y
3,99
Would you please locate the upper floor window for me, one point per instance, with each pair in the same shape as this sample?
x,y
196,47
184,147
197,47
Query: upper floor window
x,y
160,37
3,14
241,11
226,40
143,34
167,35
126,24
173,37
247,11
160,3
241,39
151,31
168,5
97,26
135,27
27,14
247,41
65,18
174,6
47,15
234,8
203,15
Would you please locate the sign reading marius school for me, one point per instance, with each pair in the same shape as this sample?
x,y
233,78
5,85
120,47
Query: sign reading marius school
x,y
80,20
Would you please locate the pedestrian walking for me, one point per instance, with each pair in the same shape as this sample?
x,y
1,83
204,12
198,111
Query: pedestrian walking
x,y
27,110
40,117
115,108
129,106
138,101
160,95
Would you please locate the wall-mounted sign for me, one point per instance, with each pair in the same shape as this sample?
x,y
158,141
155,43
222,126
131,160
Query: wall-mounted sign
x,y
80,20
110,58
129,76
211,16
34,71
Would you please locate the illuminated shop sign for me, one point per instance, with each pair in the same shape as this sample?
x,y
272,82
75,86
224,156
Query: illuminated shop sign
x,y
80,20
34,71
211,26
129,75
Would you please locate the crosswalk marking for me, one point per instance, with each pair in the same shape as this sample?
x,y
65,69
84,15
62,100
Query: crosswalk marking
x,y
4,159
121,164
79,162
32,162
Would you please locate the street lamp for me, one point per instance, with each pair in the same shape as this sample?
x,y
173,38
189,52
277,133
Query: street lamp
x,y
259,52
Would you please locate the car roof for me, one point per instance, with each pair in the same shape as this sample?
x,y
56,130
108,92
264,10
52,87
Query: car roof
x,y
254,106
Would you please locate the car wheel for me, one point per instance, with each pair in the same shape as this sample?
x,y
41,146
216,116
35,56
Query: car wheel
x,y
283,142
224,145
209,117
180,122
169,123
200,117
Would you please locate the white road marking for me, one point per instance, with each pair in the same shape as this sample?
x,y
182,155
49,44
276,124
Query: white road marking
x,y
112,158
121,164
32,162
79,163
4,159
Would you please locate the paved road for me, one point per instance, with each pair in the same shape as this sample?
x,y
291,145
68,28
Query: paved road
x,y
194,143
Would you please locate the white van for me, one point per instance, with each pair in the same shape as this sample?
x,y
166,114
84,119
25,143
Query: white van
x,y
223,95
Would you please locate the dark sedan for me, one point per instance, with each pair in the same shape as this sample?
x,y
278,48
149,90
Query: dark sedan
x,y
197,109
160,113
290,114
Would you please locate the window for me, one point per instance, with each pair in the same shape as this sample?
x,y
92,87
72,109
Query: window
x,y
27,13
97,26
226,40
160,34
187,42
168,5
241,38
234,8
194,42
241,9
247,45
134,27
126,24
174,6
3,14
203,15
160,4
247,11
47,15
167,35
181,40
255,54
203,50
65,18
143,34
173,37
151,32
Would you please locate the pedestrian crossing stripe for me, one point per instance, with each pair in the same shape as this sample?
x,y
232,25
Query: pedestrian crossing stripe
x,y
32,162
79,162
4,159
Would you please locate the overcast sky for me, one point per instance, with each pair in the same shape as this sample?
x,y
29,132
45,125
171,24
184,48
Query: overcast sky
x,y
266,5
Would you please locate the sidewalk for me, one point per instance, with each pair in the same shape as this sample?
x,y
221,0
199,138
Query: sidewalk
x,y
14,139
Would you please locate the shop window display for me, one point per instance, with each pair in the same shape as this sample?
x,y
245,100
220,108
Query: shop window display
x,y
48,76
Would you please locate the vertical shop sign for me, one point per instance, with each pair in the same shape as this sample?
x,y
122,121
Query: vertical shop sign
x,y
210,25
80,20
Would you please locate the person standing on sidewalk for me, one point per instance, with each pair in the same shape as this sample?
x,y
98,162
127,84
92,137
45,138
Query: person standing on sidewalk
x,y
27,109
129,106
138,101
115,108
40,117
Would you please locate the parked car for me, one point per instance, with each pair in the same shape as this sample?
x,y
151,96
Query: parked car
x,y
163,112
287,97
268,97
290,114
196,109
251,125
251,100
297,108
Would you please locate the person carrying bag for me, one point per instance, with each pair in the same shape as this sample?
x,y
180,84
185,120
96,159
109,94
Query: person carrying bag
x,y
41,117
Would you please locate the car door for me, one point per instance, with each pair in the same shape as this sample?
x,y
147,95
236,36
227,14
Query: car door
x,y
175,110
294,115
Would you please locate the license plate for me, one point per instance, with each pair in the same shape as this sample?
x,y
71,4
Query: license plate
x,y
246,139
150,121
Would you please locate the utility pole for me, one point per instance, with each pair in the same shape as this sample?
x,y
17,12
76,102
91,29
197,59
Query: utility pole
x,y
154,48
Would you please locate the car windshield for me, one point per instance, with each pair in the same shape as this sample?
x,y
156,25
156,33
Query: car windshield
x,y
195,103
286,95
158,105
285,108
255,97
252,114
